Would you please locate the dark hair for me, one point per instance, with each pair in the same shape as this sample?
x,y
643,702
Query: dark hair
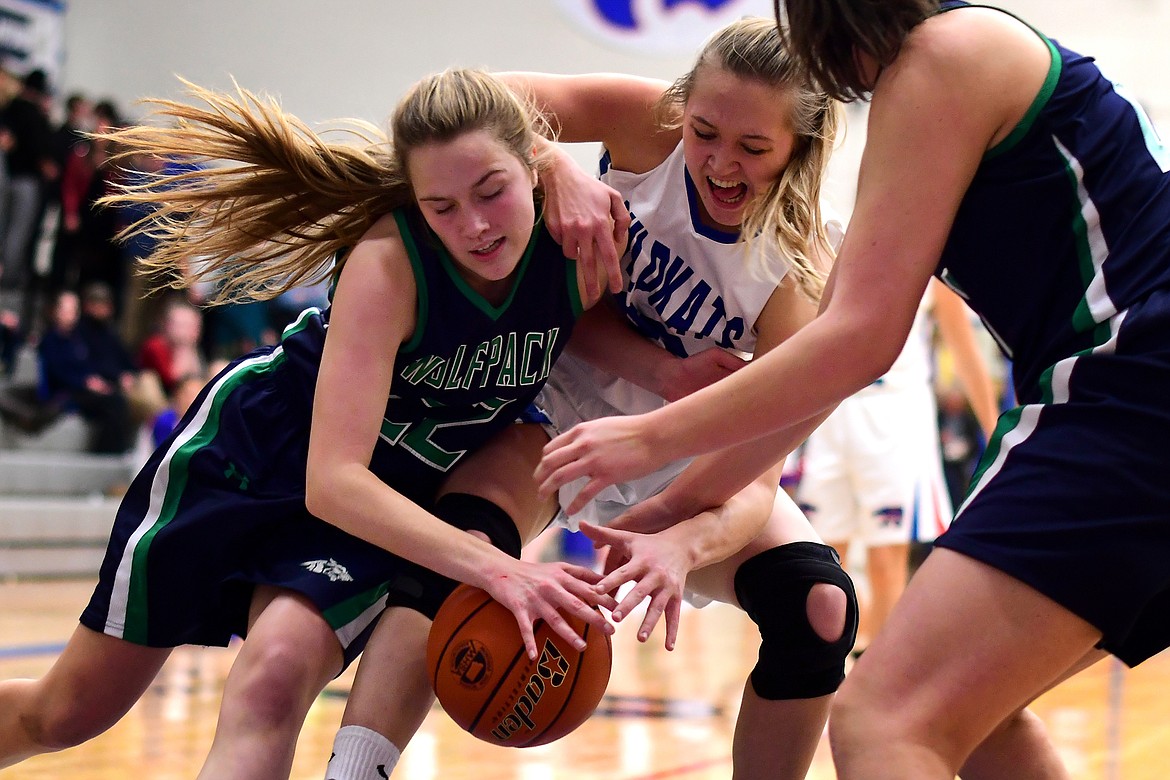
x,y
37,81
825,34
108,111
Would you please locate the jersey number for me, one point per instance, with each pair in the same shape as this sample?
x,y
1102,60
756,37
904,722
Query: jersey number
x,y
418,437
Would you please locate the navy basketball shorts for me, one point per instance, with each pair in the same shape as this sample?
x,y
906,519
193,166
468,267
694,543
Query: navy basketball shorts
x,y
1072,496
218,510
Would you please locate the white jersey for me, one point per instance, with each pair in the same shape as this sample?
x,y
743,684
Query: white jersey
x,y
872,469
688,288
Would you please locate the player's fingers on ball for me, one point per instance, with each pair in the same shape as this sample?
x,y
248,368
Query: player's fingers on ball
x,y
529,637
583,573
561,628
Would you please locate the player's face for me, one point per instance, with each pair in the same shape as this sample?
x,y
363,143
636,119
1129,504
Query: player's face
x,y
737,141
477,197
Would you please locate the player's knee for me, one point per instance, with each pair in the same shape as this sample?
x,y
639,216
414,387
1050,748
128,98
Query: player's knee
x,y
806,609
827,607
54,723
279,680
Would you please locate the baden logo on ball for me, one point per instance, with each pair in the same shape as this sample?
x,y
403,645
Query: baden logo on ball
x,y
486,682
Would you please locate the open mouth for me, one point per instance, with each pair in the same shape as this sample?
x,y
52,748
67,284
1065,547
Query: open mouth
x,y
487,249
727,192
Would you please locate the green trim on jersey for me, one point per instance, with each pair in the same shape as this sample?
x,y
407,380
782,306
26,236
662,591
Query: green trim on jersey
x,y
420,279
474,297
173,471
1042,97
1055,67
175,466
348,619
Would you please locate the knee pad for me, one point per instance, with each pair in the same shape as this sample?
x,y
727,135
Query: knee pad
x,y
773,588
424,590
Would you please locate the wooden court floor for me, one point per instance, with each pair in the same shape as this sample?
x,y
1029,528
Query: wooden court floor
x,y
666,715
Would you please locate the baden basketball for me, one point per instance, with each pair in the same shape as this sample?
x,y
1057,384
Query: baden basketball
x,y
487,684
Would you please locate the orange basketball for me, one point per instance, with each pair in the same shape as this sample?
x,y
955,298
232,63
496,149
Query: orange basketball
x,y
487,684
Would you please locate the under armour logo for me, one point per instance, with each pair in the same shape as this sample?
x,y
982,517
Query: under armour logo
x,y
233,473
382,771
330,568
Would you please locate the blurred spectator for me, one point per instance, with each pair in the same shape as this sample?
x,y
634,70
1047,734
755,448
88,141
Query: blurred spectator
x,y
108,355
173,352
78,121
70,377
960,440
146,296
233,329
89,231
179,402
31,168
11,339
287,306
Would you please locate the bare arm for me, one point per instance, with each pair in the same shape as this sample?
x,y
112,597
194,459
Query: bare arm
x,y
350,401
604,338
584,215
613,109
935,112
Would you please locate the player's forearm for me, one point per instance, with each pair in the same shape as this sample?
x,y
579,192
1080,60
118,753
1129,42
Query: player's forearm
x,y
714,479
718,533
603,339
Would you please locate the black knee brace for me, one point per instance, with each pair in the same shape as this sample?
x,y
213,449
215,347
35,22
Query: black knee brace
x,y
424,590
773,588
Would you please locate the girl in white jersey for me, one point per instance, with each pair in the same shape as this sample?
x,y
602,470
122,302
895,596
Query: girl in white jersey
x,y
737,146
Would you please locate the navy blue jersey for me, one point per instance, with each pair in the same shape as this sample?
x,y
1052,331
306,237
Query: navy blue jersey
x,y
470,368
220,506
1066,223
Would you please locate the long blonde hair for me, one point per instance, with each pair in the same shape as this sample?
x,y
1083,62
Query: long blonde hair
x,y
272,202
788,214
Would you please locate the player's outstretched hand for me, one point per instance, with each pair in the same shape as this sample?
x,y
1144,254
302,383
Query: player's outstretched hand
x,y
607,451
548,591
656,563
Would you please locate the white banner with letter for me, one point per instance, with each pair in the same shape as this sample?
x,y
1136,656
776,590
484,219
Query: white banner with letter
x,y
663,28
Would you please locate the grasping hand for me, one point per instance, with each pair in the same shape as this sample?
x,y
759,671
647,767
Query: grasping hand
x,y
657,566
608,450
548,592
588,218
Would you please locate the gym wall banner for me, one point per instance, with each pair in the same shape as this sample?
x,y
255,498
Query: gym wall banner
x,y
32,35
663,28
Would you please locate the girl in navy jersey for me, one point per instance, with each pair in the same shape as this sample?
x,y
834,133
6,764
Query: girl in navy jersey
x,y
739,143
1014,170
298,493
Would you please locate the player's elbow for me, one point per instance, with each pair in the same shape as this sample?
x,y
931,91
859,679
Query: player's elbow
x,y
321,488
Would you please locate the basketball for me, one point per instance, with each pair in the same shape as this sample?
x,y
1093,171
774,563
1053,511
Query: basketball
x,y
487,684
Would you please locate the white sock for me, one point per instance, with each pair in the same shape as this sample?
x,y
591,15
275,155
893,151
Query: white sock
x,y
360,753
